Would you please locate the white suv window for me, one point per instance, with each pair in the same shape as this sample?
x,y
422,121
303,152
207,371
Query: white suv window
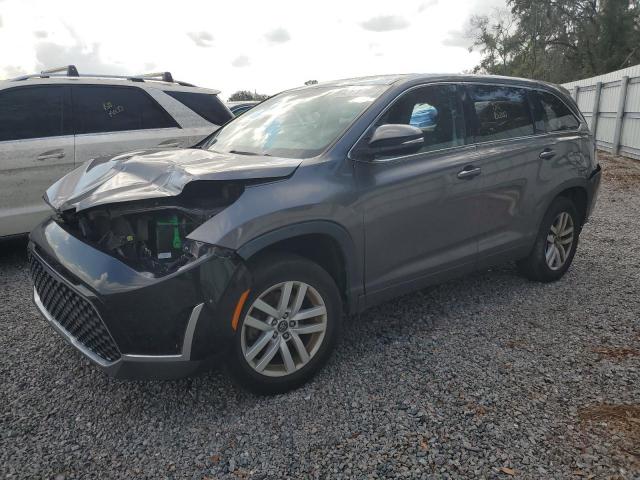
x,y
34,112
206,105
113,109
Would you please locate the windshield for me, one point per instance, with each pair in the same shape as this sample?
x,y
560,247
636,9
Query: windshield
x,y
295,124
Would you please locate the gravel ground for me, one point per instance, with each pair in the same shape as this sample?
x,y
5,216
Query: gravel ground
x,y
487,376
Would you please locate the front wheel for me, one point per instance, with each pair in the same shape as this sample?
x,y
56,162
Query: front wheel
x,y
288,327
555,245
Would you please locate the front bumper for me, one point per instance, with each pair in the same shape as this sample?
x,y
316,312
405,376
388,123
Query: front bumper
x,y
129,323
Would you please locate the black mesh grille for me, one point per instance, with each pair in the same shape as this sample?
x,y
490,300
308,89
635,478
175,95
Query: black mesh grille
x,y
74,313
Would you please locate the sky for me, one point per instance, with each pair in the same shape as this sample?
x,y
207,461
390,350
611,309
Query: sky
x,y
263,46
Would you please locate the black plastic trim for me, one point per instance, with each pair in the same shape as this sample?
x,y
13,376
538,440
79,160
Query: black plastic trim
x,y
339,234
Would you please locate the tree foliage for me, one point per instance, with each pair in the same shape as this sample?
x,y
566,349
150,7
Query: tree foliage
x,y
558,40
246,95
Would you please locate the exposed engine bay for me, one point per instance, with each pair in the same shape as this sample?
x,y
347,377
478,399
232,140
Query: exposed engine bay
x,y
150,235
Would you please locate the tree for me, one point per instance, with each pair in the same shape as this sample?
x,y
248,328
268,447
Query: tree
x,y
558,40
496,38
619,37
246,95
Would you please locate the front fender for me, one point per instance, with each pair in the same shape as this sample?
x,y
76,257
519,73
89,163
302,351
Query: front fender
x,y
318,199
353,268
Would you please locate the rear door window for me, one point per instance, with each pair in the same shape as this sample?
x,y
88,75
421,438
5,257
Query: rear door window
x,y
100,109
34,112
207,105
434,109
500,112
556,116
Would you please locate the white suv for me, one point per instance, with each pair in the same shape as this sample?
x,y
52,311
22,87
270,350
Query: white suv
x,y
56,120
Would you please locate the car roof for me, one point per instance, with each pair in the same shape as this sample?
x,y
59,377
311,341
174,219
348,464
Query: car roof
x,y
413,78
105,80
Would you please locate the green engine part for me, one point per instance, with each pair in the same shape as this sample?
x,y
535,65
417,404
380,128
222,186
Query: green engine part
x,y
172,221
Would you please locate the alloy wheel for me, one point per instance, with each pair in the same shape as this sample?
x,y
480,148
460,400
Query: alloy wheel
x,y
559,241
283,329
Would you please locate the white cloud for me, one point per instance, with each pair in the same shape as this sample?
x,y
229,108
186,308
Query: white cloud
x,y
385,23
277,35
241,61
11,71
86,57
325,41
201,39
424,5
457,38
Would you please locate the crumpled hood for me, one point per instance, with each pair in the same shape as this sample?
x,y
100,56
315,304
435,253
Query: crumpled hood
x,y
156,174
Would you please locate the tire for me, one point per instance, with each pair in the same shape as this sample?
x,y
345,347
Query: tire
x,y
256,337
535,266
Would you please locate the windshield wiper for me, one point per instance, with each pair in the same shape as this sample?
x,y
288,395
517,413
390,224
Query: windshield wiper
x,y
240,152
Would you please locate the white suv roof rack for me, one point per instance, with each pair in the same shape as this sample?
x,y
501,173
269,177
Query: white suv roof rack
x,y
72,71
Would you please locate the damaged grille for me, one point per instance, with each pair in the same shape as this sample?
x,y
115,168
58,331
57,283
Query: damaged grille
x,y
72,312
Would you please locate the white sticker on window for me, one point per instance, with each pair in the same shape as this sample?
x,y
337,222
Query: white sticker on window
x,y
111,109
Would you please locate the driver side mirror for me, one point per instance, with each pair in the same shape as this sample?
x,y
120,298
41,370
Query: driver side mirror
x,y
393,139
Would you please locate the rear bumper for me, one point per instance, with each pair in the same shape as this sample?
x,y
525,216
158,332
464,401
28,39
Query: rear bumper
x,y
129,323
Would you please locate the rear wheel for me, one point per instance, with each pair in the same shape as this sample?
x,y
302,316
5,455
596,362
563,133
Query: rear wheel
x,y
555,245
288,327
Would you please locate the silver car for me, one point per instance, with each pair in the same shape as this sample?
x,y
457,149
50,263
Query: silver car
x,y
54,121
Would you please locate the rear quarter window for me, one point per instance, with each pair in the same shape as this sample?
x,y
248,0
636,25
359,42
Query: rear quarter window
x,y
500,112
207,105
556,115
101,109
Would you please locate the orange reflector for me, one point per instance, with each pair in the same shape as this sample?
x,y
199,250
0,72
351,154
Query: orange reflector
x,y
236,312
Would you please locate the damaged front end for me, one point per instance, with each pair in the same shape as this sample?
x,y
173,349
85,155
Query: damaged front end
x,y
125,276
151,235
115,272
140,206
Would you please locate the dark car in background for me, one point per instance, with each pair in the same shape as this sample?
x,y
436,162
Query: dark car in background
x,y
325,201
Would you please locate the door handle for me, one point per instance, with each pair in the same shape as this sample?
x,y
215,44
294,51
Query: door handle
x,y
53,155
469,172
547,154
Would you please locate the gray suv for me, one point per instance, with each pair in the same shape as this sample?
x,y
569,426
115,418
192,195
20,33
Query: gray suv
x,y
319,202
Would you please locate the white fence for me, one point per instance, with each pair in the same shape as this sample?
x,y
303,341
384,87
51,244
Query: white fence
x,y
611,105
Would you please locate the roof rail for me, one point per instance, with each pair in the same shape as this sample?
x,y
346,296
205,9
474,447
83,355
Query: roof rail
x,y
72,71
164,76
